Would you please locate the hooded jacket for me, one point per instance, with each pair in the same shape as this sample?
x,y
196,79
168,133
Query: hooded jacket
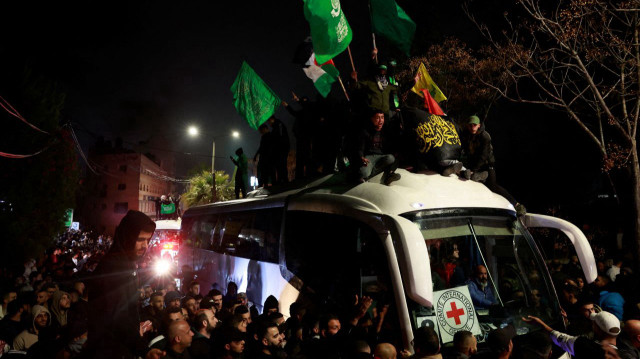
x,y
114,321
29,337
59,318
477,149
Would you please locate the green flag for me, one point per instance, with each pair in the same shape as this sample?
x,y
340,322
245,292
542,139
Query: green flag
x,y
390,21
252,98
168,208
330,31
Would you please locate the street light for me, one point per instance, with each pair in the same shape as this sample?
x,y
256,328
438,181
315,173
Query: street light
x,y
194,132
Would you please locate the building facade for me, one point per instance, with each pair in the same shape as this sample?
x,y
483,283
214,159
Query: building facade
x,y
125,181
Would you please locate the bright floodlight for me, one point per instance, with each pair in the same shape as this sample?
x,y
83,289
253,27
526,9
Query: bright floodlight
x,y
193,131
162,267
235,134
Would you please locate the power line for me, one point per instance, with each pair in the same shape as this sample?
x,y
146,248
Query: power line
x,y
79,148
11,155
13,112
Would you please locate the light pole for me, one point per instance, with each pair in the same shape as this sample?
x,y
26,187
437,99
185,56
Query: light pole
x,y
194,132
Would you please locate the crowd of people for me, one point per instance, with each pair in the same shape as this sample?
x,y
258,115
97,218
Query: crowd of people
x,y
90,297
385,125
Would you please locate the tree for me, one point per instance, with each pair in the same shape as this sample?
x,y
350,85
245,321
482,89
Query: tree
x,y
581,57
199,191
38,189
460,73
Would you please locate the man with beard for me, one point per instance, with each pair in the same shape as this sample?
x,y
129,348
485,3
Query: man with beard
x,y
479,288
205,322
155,307
269,340
41,319
115,330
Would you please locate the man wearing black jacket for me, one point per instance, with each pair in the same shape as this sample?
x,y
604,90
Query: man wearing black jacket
x,y
115,330
479,160
371,153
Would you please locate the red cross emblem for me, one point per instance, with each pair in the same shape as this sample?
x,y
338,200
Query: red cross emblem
x,y
455,313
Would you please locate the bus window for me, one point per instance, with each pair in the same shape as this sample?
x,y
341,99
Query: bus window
x,y
252,235
338,258
202,233
457,246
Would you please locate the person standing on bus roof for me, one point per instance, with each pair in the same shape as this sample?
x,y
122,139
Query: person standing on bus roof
x,y
281,148
479,160
265,156
241,173
479,288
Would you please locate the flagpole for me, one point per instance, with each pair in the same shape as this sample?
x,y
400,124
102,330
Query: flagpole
x,y
351,58
343,88
373,35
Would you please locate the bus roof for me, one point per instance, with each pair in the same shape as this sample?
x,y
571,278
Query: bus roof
x,y
413,192
168,224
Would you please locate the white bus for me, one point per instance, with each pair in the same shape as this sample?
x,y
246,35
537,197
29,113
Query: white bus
x,y
410,245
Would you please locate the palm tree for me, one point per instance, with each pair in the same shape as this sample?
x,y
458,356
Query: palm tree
x,y
199,191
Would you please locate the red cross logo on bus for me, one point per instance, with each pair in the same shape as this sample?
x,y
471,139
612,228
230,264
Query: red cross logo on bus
x,y
455,313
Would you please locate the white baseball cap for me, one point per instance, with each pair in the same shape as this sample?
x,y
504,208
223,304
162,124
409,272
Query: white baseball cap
x,y
606,321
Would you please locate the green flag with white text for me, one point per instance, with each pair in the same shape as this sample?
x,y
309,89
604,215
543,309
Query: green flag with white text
x,y
252,98
389,20
330,31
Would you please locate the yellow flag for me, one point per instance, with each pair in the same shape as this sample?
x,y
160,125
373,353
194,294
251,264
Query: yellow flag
x,y
427,83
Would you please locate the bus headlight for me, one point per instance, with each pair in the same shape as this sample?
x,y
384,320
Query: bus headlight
x,y
162,267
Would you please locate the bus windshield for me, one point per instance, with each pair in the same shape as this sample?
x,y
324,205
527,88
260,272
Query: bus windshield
x,y
486,272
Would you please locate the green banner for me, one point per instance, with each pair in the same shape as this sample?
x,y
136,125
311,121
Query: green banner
x,y
167,208
68,218
252,98
330,31
389,20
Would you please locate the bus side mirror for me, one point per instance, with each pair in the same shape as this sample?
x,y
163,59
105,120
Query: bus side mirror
x,y
575,235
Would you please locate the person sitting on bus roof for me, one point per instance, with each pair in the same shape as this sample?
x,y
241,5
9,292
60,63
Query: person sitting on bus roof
x,y
371,156
479,288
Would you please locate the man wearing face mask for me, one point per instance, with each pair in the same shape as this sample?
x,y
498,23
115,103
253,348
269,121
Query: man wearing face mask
x,y
115,330
479,288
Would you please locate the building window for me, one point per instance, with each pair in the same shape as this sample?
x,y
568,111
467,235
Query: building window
x,y
121,207
123,168
122,186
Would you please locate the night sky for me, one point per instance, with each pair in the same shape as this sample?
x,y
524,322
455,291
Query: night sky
x,y
145,70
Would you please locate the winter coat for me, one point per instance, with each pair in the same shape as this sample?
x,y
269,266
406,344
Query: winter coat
x,y
374,97
58,315
477,150
114,321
